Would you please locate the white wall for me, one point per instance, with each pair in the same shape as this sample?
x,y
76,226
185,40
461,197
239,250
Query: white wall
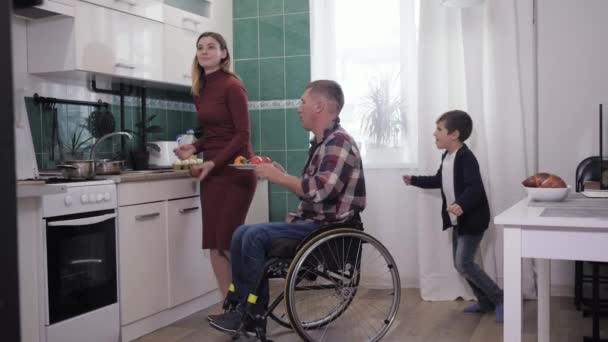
x,y
572,82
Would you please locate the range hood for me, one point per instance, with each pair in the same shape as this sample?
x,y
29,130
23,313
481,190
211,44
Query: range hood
x,y
48,8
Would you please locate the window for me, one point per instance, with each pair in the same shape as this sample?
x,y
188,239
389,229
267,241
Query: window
x,y
369,47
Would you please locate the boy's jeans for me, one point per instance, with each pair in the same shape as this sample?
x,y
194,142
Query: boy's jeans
x,y
248,253
464,248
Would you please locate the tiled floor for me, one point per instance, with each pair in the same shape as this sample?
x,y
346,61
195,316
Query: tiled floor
x,y
416,321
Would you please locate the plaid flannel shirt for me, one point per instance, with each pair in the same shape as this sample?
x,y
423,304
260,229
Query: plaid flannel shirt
x,y
332,179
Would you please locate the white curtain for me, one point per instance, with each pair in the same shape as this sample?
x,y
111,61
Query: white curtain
x,y
469,59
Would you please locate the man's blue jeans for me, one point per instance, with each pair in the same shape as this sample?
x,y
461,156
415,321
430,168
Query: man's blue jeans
x,y
248,253
464,248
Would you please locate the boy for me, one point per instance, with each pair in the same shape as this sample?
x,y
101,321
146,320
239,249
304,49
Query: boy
x,y
465,206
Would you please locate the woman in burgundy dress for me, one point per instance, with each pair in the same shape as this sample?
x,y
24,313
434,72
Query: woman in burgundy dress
x,y
226,193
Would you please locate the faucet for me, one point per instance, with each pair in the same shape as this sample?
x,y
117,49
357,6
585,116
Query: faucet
x,y
92,157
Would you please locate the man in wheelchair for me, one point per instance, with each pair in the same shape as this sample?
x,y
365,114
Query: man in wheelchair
x,y
331,189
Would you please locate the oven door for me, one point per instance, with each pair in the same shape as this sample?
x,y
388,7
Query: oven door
x,y
81,263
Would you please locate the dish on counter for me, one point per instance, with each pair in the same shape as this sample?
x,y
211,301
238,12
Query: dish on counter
x,y
547,194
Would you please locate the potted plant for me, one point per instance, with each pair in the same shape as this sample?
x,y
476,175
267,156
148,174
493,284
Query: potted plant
x,y
140,156
384,120
77,144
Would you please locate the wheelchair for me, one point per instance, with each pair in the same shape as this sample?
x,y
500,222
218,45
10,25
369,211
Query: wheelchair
x,y
337,284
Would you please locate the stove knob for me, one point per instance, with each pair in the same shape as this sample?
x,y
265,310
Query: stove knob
x,y
84,199
68,200
106,196
99,197
92,198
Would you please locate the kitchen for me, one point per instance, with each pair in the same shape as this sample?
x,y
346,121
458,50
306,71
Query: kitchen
x,y
561,86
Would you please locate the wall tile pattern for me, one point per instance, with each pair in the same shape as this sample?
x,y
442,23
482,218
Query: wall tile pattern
x,y
272,57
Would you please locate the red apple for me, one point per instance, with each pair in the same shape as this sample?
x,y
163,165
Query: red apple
x,y
256,160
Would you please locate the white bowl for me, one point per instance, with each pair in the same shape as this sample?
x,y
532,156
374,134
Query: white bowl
x,y
547,194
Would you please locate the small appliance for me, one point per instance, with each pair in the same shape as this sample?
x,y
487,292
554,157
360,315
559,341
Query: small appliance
x,y
161,154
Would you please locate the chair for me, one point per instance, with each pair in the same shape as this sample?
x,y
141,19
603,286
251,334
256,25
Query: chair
x,y
589,170
325,288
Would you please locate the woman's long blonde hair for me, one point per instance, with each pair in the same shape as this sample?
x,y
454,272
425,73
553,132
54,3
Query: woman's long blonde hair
x,y
198,73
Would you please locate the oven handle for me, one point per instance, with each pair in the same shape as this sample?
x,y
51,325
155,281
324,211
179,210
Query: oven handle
x,y
83,221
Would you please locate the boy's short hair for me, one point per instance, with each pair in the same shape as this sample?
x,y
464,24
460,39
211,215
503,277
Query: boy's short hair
x,y
457,120
331,90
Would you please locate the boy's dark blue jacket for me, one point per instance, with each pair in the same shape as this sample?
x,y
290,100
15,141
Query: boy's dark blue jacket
x,y
468,190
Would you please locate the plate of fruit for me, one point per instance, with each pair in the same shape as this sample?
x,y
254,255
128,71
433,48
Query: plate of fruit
x,y
243,163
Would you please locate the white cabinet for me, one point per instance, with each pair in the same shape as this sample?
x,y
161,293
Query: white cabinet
x,y
190,272
142,244
97,39
151,9
179,52
200,8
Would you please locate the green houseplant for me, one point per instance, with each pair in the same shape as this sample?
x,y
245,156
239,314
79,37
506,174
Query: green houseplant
x,y
78,144
140,155
384,120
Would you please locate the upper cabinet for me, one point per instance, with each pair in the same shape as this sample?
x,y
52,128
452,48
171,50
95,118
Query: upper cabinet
x,y
200,8
151,9
99,40
137,39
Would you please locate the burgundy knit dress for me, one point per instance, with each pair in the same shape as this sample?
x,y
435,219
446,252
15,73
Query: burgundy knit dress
x,y
226,192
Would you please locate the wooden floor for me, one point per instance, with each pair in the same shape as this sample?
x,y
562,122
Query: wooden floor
x,y
416,321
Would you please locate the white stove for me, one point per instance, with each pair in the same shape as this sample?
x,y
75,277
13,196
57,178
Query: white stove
x,y
81,291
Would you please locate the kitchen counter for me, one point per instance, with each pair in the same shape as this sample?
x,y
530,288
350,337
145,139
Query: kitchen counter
x,y
147,175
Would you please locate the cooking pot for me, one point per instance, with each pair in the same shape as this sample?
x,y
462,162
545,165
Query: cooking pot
x,y
78,169
108,167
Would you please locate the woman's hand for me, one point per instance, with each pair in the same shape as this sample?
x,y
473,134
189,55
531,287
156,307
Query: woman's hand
x,y
185,151
407,179
201,171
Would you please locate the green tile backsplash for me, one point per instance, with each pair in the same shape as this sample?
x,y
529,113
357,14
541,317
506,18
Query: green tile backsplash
x,y
174,113
272,57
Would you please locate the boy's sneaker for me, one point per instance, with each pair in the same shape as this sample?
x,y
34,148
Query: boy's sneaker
x,y
500,314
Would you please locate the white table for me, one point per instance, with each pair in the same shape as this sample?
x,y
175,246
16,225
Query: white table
x,y
527,234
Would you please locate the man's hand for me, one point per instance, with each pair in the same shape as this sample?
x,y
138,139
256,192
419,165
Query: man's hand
x,y
201,171
272,172
455,209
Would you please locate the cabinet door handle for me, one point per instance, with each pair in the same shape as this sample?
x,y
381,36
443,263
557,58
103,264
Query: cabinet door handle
x,y
124,65
195,23
128,2
188,210
146,216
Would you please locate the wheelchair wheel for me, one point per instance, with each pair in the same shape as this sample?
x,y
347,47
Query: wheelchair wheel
x,y
342,285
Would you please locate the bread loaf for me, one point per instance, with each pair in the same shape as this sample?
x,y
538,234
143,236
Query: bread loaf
x,y
544,180
553,181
